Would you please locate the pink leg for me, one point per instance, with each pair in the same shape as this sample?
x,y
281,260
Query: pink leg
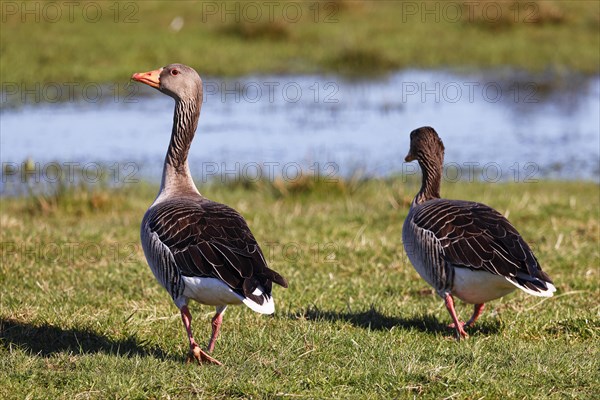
x,y
457,324
195,351
477,310
216,328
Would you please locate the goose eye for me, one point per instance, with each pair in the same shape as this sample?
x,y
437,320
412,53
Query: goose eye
x,y
174,72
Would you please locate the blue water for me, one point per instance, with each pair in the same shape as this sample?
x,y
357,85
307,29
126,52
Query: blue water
x,y
498,127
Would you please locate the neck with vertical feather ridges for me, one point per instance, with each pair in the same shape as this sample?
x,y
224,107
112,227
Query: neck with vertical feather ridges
x,y
431,168
176,172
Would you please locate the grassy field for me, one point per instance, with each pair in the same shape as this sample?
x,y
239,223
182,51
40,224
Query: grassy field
x,y
81,315
105,41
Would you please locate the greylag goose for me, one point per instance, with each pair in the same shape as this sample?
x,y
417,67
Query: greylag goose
x,y
196,248
463,248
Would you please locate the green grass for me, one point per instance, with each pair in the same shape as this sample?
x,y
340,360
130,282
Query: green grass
x,y
81,315
348,37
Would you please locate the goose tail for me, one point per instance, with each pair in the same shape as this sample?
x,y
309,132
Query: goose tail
x,y
537,286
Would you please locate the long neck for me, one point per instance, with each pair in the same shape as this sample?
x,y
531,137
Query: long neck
x,y
176,172
431,168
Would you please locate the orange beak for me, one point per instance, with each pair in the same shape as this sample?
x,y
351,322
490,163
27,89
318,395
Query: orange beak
x,y
150,78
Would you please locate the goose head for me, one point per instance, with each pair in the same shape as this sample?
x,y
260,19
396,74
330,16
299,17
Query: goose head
x,y
425,145
176,80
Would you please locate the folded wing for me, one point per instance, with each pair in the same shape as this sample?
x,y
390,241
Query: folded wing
x,y
478,237
208,239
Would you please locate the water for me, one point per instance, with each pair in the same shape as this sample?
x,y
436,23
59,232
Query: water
x,y
503,128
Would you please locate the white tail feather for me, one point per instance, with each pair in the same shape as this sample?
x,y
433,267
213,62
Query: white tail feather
x,y
544,293
268,307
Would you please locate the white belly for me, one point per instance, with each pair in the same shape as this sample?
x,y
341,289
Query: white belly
x,y
210,291
477,287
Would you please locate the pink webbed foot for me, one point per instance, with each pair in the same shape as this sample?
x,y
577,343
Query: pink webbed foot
x,y
201,357
460,331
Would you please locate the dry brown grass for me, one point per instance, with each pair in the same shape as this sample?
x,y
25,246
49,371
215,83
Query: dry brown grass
x,y
505,14
247,30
